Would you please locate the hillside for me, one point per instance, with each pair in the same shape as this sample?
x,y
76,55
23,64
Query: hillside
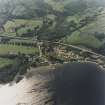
x,y
27,26
55,20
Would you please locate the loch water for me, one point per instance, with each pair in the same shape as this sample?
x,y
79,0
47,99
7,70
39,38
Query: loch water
x,y
70,84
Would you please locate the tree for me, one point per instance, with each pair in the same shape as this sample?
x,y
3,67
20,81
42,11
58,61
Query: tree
x,y
19,27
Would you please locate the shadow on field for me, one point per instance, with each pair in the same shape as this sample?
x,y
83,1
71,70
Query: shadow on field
x,y
79,84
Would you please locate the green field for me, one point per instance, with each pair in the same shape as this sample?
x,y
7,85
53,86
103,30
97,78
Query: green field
x,y
29,41
10,25
96,26
86,37
83,39
6,49
14,49
4,62
17,22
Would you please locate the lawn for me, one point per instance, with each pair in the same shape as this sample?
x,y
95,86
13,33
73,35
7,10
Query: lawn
x,y
5,49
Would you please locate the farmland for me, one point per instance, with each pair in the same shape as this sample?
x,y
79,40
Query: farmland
x,y
5,62
6,49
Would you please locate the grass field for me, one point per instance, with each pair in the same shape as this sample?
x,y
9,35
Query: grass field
x,y
18,22
86,37
5,49
4,62
22,41
87,40
96,26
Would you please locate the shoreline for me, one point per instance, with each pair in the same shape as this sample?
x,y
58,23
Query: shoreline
x,y
5,74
